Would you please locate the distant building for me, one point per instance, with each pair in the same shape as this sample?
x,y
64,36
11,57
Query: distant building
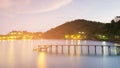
x,y
117,18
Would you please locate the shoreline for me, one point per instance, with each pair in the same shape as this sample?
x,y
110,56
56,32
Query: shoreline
x,y
118,42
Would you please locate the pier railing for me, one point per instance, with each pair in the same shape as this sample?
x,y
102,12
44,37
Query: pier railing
x,y
81,49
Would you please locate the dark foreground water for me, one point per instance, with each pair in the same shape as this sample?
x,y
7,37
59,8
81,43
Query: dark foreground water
x,y
20,54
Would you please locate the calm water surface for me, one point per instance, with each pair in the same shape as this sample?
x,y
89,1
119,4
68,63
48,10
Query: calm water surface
x,y
20,54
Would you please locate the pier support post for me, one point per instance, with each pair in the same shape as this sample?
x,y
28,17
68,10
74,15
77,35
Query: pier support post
x,y
75,49
95,50
57,49
88,50
68,49
118,50
81,50
102,50
39,49
50,49
109,50
62,49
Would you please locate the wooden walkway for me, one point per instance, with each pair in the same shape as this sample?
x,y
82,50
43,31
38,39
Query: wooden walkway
x,y
61,49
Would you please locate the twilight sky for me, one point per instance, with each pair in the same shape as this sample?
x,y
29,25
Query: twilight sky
x,y
42,15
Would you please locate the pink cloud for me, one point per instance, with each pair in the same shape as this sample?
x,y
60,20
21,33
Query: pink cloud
x,y
31,6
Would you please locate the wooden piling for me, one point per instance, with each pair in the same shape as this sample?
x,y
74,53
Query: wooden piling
x,y
102,50
50,48
62,49
109,50
68,49
57,49
81,50
39,49
75,49
95,50
117,50
88,50
46,48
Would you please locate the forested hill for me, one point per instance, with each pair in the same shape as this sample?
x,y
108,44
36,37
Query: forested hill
x,y
73,27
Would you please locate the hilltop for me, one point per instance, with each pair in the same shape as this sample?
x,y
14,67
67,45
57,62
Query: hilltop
x,y
90,28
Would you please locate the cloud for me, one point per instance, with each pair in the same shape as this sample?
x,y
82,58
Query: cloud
x,y
31,6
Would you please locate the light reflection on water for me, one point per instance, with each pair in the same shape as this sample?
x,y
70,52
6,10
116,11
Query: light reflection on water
x,y
41,60
20,54
11,54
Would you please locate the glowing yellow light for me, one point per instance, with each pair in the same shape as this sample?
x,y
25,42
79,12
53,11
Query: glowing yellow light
x,y
66,36
72,36
42,60
11,37
24,37
79,32
83,32
103,36
11,54
3,37
78,36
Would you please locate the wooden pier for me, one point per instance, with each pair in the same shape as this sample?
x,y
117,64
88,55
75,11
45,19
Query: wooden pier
x,y
80,49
